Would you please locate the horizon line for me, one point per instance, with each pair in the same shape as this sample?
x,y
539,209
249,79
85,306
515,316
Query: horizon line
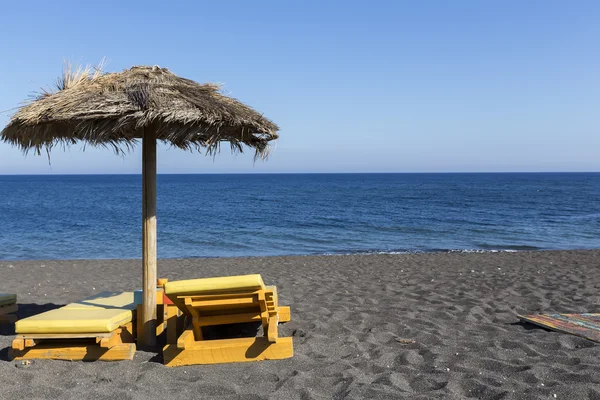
x,y
304,173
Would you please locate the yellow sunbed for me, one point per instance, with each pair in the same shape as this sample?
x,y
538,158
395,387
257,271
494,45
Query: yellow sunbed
x,y
8,306
97,328
219,301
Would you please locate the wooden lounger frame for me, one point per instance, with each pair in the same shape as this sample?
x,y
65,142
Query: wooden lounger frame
x,y
113,346
189,347
116,345
7,313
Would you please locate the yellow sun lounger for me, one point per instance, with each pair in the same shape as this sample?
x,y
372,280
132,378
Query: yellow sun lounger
x,y
8,306
220,301
97,328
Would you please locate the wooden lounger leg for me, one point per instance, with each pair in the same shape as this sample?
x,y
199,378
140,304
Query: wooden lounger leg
x,y
196,324
271,312
18,344
283,311
110,341
172,323
272,334
284,314
186,339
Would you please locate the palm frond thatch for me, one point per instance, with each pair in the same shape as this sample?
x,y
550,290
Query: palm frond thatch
x,y
113,109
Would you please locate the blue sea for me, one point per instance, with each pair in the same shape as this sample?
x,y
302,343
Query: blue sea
x,y
99,216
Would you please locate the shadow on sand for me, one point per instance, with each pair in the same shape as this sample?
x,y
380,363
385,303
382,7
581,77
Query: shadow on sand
x,y
528,326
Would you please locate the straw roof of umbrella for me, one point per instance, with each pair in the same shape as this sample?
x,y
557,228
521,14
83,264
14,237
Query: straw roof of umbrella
x,y
113,109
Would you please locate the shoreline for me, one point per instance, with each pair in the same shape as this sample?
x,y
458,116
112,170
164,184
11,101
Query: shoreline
x,y
359,253
413,326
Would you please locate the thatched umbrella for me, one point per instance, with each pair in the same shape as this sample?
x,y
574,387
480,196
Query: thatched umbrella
x,y
148,103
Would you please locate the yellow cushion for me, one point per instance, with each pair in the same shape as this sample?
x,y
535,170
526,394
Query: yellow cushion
x,y
223,284
212,285
73,320
7,299
110,300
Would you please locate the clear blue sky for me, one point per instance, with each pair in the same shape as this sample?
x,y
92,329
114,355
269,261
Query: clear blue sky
x,y
398,86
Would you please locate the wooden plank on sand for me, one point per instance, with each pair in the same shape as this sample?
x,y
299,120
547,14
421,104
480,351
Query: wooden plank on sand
x,y
82,352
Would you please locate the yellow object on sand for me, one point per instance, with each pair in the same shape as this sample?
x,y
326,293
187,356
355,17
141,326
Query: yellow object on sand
x,y
73,320
104,320
212,285
176,290
220,301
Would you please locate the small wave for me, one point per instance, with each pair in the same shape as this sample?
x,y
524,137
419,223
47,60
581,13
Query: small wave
x,y
487,246
483,251
430,251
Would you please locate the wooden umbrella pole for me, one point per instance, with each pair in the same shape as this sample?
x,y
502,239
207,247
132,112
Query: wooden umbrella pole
x,y
148,334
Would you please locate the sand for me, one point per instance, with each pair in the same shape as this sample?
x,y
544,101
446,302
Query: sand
x,y
421,326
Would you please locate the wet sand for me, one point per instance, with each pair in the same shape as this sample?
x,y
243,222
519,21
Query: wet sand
x,y
420,326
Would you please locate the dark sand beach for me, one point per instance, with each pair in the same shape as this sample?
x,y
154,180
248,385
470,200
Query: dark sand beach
x,y
414,326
